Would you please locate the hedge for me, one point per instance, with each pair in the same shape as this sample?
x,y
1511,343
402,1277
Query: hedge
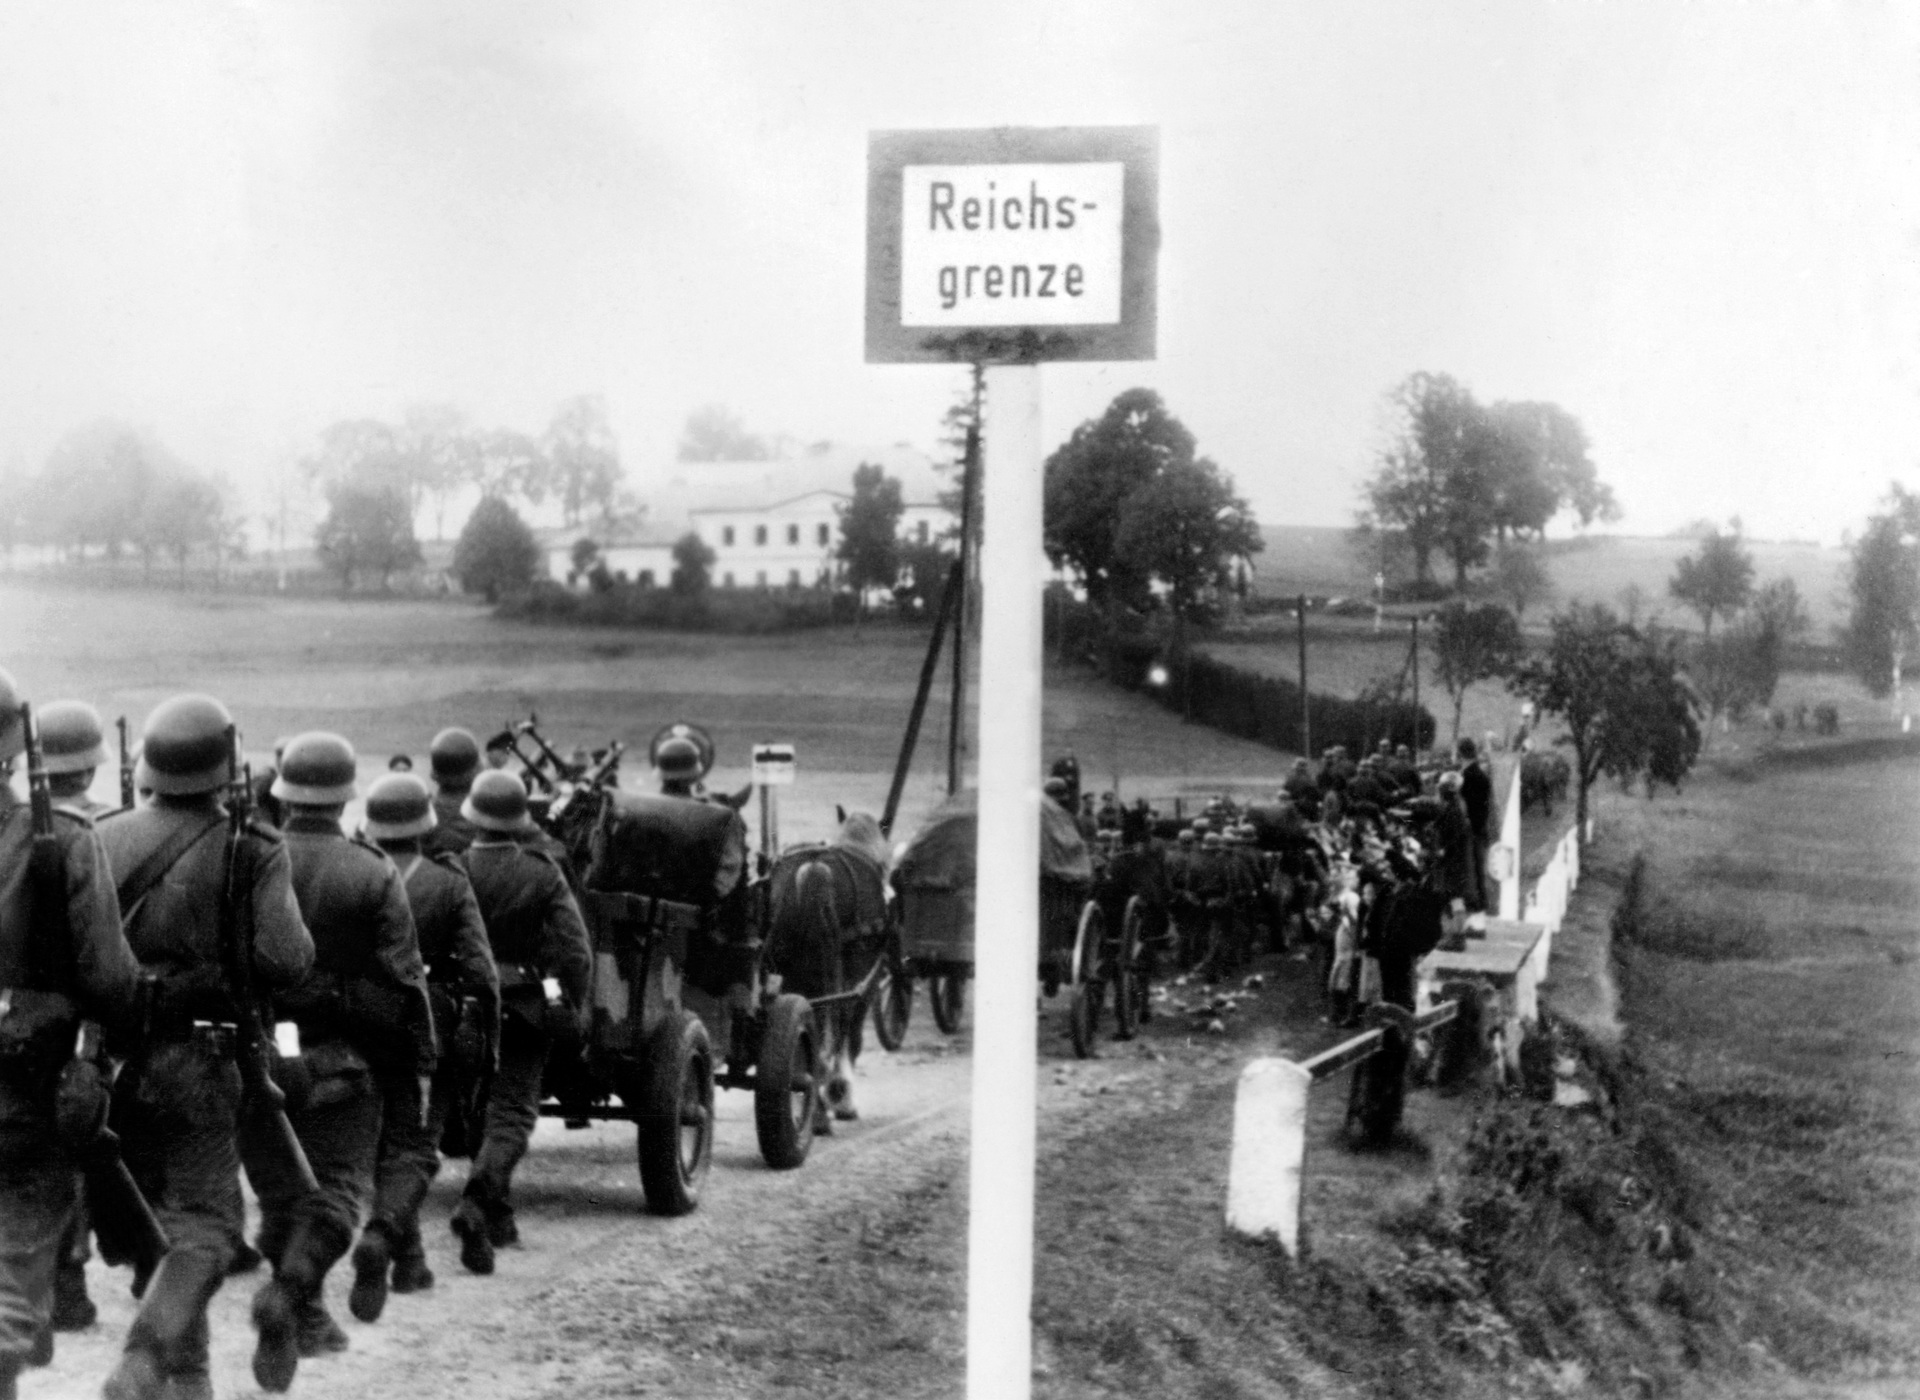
x,y
1266,709
717,610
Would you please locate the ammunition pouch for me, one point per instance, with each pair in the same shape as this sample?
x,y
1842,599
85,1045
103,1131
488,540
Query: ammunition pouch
x,y
523,996
325,1073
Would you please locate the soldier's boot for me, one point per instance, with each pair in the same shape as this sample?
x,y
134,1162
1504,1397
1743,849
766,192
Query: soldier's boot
x,y
410,1271
302,1252
9,1374
42,1352
372,1258
169,1334
197,1385
503,1231
73,1310
318,1333
470,1224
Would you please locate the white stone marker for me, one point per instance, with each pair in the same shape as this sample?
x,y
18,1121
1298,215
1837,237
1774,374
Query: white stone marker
x,y
1269,1152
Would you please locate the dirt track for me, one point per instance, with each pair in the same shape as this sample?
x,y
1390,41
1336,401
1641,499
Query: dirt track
x,y
572,1311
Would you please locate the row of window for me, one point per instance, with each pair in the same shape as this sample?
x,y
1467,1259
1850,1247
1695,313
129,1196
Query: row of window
x,y
823,534
760,579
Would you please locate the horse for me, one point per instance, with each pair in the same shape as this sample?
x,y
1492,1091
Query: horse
x,y
826,924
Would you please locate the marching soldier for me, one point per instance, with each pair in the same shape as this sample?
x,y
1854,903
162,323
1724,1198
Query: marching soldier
x,y
72,746
177,1103
62,957
545,960
455,759
465,988
362,1011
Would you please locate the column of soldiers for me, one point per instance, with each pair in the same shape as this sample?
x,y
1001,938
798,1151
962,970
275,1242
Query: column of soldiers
x,y
184,925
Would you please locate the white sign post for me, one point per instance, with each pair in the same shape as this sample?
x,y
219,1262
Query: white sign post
x,y
1009,248
772,768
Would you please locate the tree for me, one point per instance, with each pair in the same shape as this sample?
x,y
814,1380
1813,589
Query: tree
x,y
369,528
439,449
924,571
1737,671
870,531
715,434
97,485
1185,530
1519,578
1883,580
1089,479
1777,607
1718,579
1474,644
184,511
692,566
506,463
581,558
1626,709
583,457
496,552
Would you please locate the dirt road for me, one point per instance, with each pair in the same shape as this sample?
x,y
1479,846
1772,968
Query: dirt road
x,y
575,1309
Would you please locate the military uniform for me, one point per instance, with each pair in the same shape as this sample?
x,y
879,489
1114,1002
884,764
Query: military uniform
x,y
454,757
460,969
98,971
177,1104
364,1006
535,931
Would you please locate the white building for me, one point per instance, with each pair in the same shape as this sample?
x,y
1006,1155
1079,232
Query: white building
x,y
771,524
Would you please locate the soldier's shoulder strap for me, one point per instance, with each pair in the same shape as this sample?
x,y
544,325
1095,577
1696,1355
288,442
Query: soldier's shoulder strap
x,y
449,860
138,882
367,844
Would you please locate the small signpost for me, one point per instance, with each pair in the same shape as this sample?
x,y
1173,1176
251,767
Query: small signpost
x,y
772,768
1008,248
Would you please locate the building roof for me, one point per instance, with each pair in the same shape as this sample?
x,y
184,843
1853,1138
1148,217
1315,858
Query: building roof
x,y
686,487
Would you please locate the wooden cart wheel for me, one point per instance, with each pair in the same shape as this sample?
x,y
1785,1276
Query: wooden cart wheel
x,y
785,1096
947,991
1089,979
675,1119
892,1001
1130,971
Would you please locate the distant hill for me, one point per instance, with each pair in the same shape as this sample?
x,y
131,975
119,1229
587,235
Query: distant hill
x,y
1316,559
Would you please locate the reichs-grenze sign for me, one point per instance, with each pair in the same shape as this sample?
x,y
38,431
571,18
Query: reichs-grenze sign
x,y
1012,244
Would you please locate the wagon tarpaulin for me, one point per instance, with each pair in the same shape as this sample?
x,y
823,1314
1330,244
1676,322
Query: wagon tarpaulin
x,y
941,853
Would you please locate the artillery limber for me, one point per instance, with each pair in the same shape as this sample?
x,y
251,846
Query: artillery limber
x,y
679,932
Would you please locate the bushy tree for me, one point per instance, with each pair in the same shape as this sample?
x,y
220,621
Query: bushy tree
x,y
692,566
582,457
1456,476
184,512
1473,644
870,531
1186,530
1736,671
1620,695
1108,484
368,529
714,433
1883,581
1718,579
1776,606
496,552
1519,578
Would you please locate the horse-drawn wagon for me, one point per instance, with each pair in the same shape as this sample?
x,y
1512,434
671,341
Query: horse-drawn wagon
x,y
1081,948
690,952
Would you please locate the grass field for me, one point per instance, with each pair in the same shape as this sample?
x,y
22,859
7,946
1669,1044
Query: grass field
x,y
1597,568
389,674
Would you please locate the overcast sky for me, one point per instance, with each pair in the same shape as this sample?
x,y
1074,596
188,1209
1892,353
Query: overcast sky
x,y
1697,228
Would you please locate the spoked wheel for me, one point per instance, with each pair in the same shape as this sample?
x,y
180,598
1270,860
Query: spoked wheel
x,y
948,993
675,1121
1129,972
785,1094
1089,979
892,1001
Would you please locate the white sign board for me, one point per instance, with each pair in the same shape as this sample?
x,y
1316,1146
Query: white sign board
x,y
773,765
1011,245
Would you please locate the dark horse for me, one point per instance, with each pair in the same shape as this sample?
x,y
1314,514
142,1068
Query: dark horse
x,y
826,927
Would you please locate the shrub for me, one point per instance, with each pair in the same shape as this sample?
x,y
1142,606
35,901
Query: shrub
x,y
717,610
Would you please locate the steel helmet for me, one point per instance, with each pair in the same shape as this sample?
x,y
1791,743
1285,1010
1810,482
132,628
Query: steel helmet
x,y
12,737
683,751
317,770
497,802
183,747
71,739
399,806
455,757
